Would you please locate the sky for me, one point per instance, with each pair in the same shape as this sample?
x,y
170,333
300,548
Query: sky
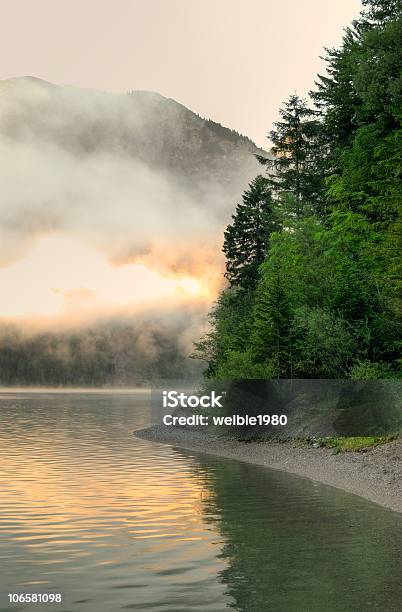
x,y
233,61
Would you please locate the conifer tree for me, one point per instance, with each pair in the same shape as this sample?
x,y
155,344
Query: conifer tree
x,y
271,338
326,301
246,238
294,168
379,12
336,99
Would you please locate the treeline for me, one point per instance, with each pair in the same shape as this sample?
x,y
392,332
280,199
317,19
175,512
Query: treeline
x,y
111,354
313,253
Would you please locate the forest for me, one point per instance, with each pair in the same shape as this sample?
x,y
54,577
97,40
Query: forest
x,y
313,252
119,353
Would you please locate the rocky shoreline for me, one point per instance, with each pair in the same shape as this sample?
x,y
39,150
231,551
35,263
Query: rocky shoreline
x,y
375,473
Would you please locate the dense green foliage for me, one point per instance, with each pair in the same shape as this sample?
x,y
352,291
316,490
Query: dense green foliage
x,y
293,170
246,238
325,299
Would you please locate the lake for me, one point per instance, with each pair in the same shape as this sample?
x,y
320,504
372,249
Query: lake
x,y
118,523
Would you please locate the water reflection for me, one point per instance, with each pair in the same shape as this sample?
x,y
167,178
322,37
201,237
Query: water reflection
x,y
115,522
292,544
112,521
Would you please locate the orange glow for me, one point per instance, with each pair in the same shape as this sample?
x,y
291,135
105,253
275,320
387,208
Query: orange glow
x,y
61,276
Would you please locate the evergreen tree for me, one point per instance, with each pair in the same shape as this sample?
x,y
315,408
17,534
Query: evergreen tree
x,y
326,301
363,83
378,12
271,339
336,99
230,330
295,168
246,239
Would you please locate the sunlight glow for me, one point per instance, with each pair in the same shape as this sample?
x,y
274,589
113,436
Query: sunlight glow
x,y
61,275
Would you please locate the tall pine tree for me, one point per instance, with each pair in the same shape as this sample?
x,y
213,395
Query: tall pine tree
x,y
294,168
246,239
271,338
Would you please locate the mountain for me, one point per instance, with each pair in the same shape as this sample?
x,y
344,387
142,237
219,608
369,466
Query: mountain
x,y
203,156
137,177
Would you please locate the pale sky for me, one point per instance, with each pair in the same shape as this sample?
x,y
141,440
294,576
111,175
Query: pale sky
x,y
234,61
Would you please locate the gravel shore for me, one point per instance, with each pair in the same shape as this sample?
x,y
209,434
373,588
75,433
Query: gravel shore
x,y
375,474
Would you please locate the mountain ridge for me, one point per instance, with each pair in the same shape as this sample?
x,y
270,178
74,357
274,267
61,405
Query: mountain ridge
x,y
203,156
39,82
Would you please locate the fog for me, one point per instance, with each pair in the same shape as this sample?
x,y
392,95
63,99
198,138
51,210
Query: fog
x,y
100,167
136,178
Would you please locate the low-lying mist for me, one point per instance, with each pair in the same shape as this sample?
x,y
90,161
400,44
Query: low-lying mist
x,y
115,352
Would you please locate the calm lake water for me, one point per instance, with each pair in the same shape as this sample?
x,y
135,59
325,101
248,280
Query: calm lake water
x,y
118,523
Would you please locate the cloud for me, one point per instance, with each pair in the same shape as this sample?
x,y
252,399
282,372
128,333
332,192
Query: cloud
x,y
108,200
96,166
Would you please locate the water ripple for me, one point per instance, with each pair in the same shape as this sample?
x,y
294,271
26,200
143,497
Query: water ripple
x,y
114,522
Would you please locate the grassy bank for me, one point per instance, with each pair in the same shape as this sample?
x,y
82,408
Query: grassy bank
x,y
350,444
